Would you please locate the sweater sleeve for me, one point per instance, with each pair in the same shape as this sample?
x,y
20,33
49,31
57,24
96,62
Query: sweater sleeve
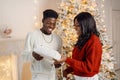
x,y
28,49
92,60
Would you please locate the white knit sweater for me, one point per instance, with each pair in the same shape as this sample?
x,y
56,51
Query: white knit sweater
x,y
37,39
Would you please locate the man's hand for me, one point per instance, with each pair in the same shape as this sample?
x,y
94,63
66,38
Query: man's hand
x,y
37,56
57,65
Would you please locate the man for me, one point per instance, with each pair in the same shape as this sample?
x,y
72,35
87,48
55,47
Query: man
x,y
43,68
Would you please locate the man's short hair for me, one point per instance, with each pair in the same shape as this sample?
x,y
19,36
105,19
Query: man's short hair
x,y
49,13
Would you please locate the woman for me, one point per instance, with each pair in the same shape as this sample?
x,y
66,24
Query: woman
x,y
86,55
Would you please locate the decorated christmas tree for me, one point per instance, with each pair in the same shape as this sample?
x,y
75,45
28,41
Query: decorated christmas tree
x,y
68,9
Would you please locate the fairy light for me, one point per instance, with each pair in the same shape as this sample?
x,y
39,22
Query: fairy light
x,y
5,68
102,5
35,17
36,22
35,1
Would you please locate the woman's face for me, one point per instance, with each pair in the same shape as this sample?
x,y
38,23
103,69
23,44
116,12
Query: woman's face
x,y
77,27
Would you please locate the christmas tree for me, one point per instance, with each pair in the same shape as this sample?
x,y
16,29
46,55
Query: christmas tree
x,y
67,11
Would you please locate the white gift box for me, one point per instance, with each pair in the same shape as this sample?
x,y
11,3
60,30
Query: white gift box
x,y
48,53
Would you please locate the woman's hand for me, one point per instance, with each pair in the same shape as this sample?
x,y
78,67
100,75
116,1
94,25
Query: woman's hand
x,y
63,59
37,56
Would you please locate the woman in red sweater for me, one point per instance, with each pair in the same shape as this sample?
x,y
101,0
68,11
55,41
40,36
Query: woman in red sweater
x,y
87,53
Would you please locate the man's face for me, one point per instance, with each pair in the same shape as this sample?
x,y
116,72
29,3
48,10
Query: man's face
x,y
49,25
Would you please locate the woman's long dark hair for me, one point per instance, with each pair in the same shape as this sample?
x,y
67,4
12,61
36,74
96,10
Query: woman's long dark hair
x,y
88,27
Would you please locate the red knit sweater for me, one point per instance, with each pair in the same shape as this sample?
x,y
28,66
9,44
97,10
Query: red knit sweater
x,y
86,62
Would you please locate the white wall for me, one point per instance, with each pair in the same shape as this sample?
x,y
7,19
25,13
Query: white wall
x,y
108,17
107,11
19,14
116,31
115,5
